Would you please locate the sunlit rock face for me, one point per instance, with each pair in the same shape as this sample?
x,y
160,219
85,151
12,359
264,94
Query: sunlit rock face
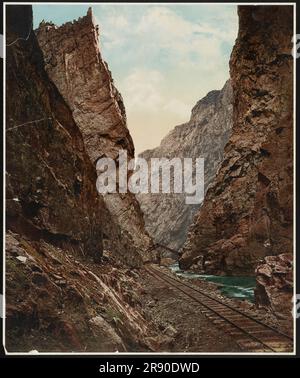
x,y
73,62
247,213
168,216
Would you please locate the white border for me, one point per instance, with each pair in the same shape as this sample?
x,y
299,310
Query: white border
x,y
294,4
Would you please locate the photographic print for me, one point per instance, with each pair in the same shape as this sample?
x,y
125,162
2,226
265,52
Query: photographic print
x,y
149,179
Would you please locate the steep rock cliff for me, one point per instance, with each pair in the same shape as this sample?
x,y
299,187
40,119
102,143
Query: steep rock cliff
x,y
74,63
50,182
167,216
58,297
247,213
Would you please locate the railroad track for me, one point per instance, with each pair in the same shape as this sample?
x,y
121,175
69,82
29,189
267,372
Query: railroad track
x,y
251,334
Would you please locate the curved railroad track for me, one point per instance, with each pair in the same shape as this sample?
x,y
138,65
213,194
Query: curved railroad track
x,y
251,334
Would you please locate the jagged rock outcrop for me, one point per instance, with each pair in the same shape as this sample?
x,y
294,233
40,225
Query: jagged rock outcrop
x,y
73,61
248,212
274,285
58,297
167,216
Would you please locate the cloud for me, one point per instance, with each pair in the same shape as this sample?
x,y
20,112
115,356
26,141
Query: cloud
x,y
142,90
164,59
146,91
178,108
159,33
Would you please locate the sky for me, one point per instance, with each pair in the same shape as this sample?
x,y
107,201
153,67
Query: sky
x,y
163,57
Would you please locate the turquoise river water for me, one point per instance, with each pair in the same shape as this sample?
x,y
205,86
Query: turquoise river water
x,y
232,287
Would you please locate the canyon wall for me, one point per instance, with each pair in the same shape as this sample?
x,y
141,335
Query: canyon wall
x,y
74,63
167,216
247,213
50,182
64,292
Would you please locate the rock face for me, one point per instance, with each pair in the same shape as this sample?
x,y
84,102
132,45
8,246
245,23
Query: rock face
x,y
167,216
274,285
58,297
50,182
247,213
73,62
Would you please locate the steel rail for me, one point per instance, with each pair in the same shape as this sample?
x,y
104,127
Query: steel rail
x,y
226,317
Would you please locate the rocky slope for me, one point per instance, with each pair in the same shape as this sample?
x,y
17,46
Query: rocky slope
x,y
74,63
248,212
167,216
274,288
62,292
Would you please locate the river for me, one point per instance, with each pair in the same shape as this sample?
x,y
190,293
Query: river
x,y
233,287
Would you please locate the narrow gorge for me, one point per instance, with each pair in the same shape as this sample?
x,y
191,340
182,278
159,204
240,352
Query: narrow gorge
x,y
89,272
